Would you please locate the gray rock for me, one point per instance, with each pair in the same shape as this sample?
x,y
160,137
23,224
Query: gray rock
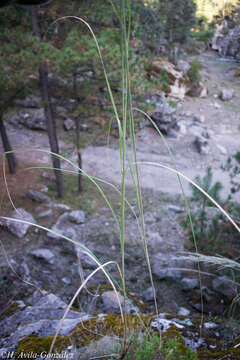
x,y
38,196
29,102
210,325
66,280
155,241
199,90
199,118
60,206
175,209
164,117
86,261
189,284
40,318
183,311
77,216
184,66
226,94
62,227
47,213
44,254
225,286
111,304
167,266
18,229
222,149
148,294
33,119
201,145
100,349
226,40
69,124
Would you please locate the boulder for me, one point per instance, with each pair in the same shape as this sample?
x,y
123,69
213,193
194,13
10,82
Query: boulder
x,y
164,116
43,254
167,266
177,80
77,216
62,228
198,90
226,41
33,119
41,317
202,144
226,94
225,286
183,66
111,304
38,196
69,124
18,229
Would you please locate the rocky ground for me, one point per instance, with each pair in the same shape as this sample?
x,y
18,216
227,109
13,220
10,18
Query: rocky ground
x,y
33,259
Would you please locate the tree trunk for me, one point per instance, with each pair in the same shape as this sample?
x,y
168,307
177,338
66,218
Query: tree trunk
x,y
80,188
7,147
50,121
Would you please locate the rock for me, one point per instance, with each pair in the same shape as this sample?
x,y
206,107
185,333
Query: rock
x,y
216,105
86,261
43,254
66,280
60,206
210,325
175,209
179,82
33,119
167,266
183,311
38,196
225,286
69,124
226,41
47,213
218,37
183,66
111,304
202,145
199,118
77,216
18,229
62,228
155,241
226,94
198,90
148,294
189,284
100,349
222,149
164,116
41,318
29,102
206,301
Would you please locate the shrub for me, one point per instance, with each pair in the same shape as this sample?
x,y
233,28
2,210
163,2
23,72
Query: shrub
x,y
194,71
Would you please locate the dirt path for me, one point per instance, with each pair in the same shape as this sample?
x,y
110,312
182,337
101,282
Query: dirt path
x,y
222,120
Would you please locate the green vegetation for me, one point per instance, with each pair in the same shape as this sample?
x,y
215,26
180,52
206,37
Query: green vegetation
x,y
156,347
194,71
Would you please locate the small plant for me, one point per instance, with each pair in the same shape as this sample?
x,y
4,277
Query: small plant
x,y
203,225
194,71
153,347
232,166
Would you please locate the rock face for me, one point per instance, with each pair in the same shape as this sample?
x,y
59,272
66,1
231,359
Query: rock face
x,y
177,80
164,116
226,41
18,229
